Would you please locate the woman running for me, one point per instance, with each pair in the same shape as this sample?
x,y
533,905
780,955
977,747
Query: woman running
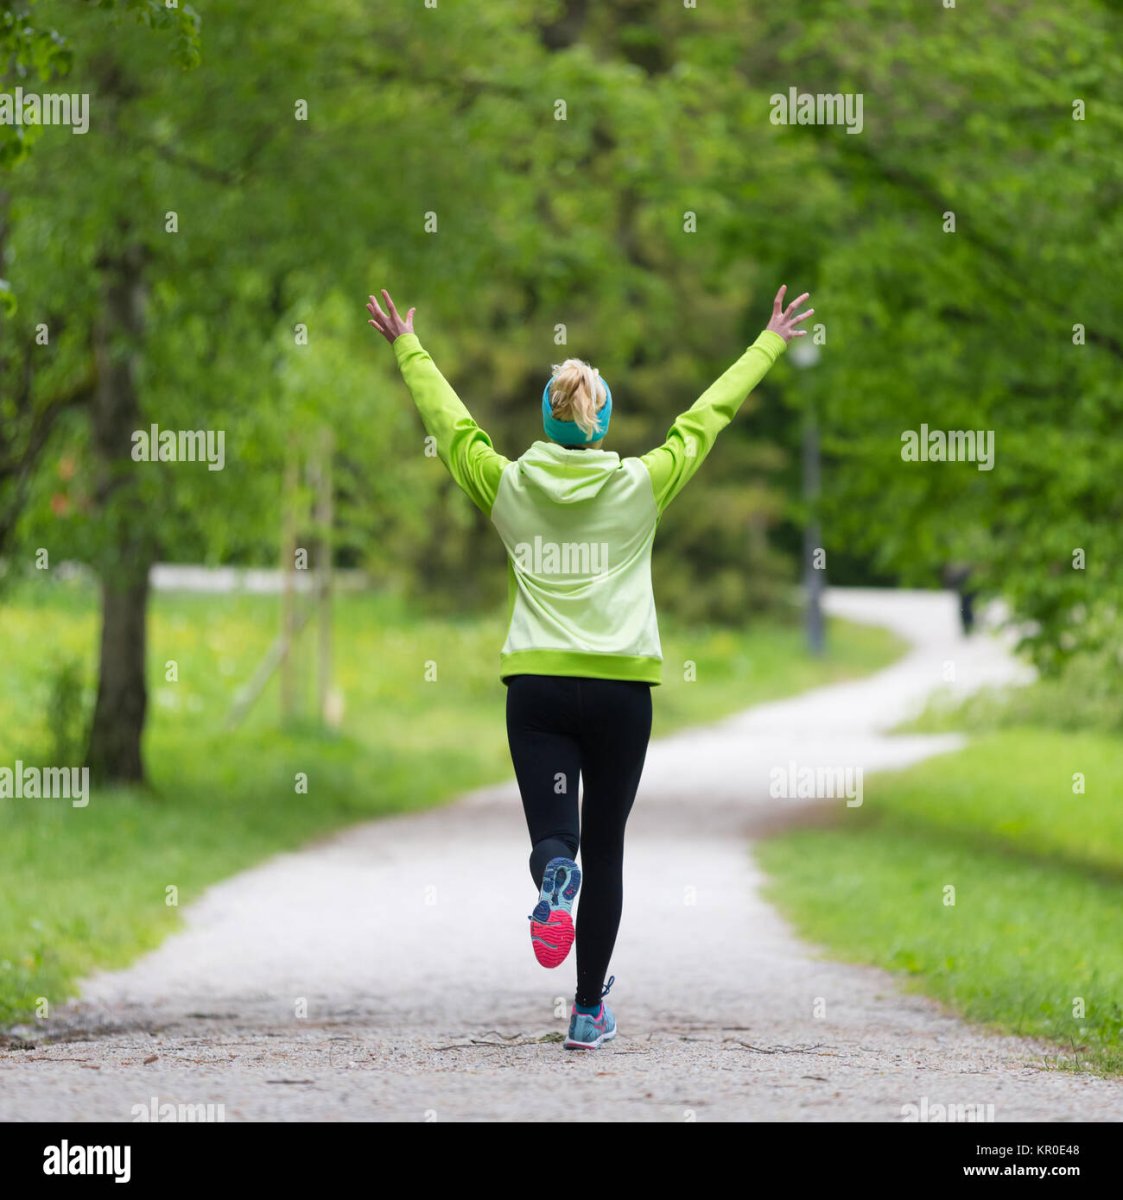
x,y
582,650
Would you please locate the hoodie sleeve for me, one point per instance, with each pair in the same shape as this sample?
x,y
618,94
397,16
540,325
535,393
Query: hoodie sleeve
x,y
462,445
672,465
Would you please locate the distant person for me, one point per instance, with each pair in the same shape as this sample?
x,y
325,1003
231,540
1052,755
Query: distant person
x,y
957,577
582,650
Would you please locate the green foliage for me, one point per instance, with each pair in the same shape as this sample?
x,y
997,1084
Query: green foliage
x,y
966,115
68,708
568,236
28,53
181,19
35,53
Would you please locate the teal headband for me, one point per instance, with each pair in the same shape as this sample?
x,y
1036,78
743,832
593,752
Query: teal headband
x,y
569,433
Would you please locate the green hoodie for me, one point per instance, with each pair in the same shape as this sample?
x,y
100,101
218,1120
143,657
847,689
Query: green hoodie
x,y
578,524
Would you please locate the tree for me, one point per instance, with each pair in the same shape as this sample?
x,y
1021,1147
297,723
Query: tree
x,y
965,285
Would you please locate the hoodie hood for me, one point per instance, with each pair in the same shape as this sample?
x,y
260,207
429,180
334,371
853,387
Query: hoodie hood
x,y
567,476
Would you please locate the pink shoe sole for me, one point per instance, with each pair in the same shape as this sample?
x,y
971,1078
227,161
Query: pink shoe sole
x,y
552,939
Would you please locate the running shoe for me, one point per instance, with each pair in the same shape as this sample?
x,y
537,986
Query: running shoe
x,y
551,923
587,1031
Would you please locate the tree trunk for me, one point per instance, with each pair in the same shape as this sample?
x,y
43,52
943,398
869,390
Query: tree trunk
x,y
127,546
122,698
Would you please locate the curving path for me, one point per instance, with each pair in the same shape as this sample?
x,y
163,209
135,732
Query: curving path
x,y
405,941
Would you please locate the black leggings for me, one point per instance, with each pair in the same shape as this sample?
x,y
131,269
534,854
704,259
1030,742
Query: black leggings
x,y
559,727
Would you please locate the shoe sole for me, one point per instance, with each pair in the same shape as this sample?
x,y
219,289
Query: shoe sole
x,y
552,939
569,1044
551,925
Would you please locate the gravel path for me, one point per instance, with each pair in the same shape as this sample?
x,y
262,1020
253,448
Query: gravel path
x,y
384,973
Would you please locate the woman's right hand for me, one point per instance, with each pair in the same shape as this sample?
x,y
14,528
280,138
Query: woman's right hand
x,y
784,320
390,325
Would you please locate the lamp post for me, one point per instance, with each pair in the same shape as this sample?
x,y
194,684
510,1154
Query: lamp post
x,y
804,355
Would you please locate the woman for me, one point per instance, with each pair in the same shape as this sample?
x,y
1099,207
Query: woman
x,y
582,650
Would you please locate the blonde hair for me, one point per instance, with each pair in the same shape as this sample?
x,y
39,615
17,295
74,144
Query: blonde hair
x,y
577,394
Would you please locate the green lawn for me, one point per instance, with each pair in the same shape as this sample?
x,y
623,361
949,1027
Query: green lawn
x,y
86,887
1034,941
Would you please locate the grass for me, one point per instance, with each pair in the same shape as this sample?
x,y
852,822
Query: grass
x,y
82,888
1032,943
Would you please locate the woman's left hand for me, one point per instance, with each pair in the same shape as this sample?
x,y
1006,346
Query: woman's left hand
x,y
391,327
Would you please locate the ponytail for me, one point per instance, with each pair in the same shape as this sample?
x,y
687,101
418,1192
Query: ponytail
x,y
577,394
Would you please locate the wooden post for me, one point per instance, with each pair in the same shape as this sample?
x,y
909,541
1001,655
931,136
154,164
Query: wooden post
x,y
288,605
324,518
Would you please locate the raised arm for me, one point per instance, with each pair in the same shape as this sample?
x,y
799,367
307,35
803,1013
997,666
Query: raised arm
x,y
463,447
690,438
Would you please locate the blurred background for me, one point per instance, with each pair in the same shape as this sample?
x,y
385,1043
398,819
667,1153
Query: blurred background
x,y
541,180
